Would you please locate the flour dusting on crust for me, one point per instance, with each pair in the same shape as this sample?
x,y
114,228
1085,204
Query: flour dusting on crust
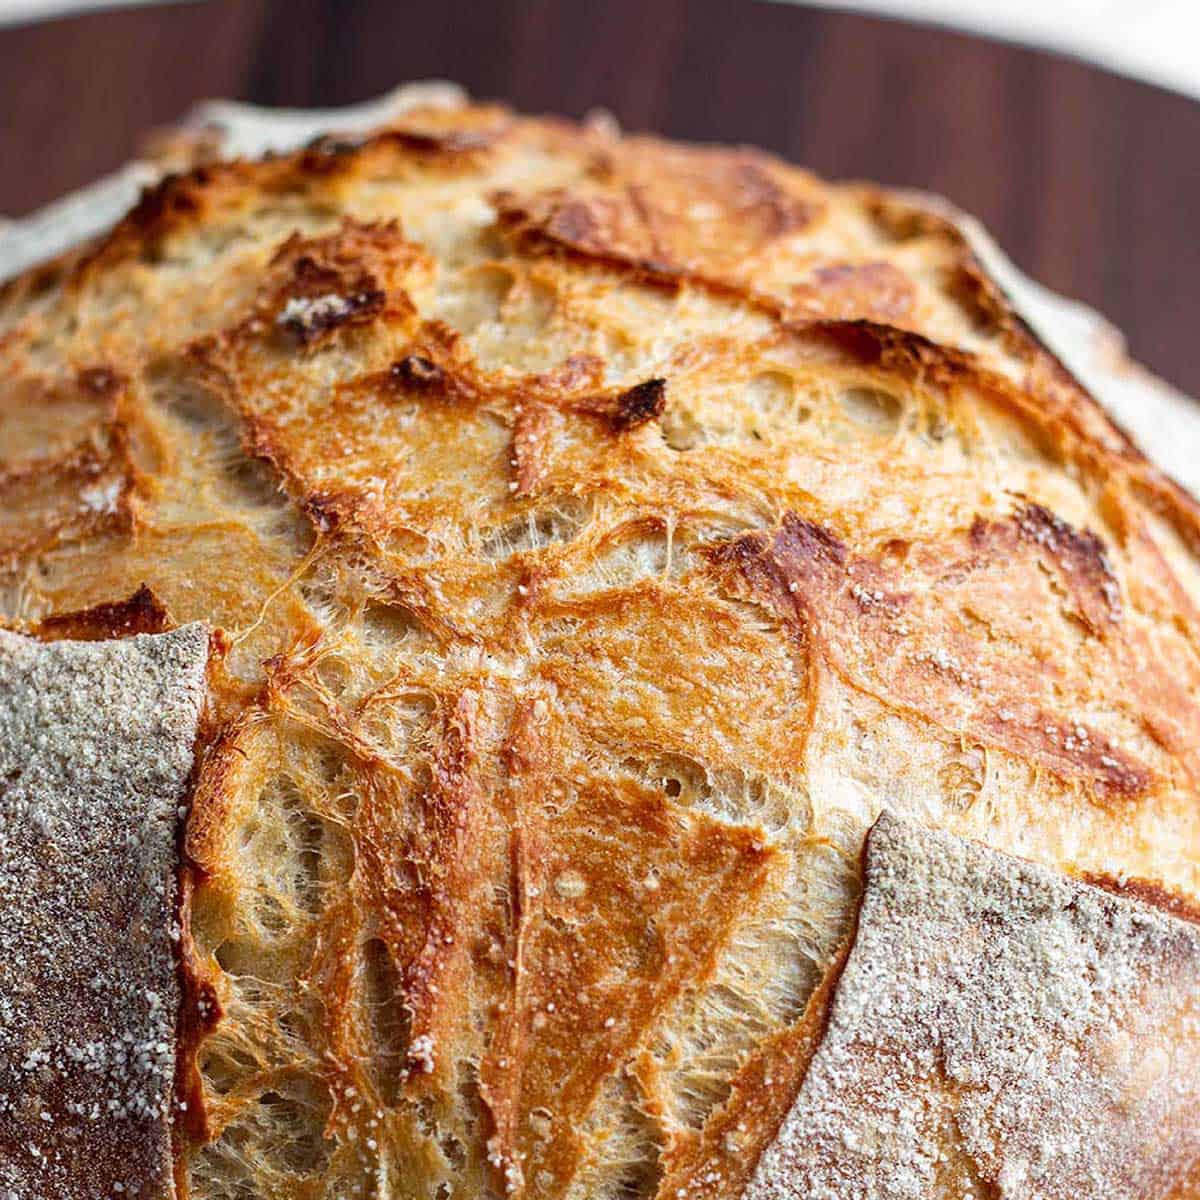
x,y
96,744
998,1031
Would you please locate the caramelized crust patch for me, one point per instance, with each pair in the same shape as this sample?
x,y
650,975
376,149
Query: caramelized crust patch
x,y
621,900
998,1030
946,632
1148,892
41,421
65,466
143,612
874,291
669,210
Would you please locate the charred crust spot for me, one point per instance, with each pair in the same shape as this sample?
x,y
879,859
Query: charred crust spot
x,y
143,612
430,369
417,371
161,209
171,196
308,319
641,403
101,382
176,200
620,411
327,283
309,273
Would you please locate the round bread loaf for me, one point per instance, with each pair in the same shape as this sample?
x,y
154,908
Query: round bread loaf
x,y
597,536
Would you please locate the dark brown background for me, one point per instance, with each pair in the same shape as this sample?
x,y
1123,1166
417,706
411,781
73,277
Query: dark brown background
x,y
1090,181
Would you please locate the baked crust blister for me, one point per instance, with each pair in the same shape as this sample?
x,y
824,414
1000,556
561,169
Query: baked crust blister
x,y
602,533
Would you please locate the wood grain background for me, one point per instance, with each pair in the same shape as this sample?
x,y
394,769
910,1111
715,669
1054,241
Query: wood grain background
x,y
1091,182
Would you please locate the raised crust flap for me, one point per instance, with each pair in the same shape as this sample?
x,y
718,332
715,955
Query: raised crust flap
x,y
998,1031
96,747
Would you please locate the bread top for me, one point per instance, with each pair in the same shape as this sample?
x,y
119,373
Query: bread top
x,y
96,748
601,533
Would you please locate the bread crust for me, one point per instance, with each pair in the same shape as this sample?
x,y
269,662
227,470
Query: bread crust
x,y
96,747
601,533
997,1028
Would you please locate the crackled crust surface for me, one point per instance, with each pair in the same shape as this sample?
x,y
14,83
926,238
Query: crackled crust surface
x,y
602,532
96,746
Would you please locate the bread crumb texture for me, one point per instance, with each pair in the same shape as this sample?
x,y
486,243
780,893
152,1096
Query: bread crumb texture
x,y
602,532
96,746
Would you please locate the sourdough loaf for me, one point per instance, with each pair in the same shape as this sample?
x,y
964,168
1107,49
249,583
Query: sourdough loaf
x,y
597,535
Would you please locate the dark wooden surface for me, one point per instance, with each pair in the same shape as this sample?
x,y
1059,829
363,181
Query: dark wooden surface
x,y
1090,181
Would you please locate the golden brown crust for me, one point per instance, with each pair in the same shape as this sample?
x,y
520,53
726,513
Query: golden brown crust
x,y
722,1160
902,630
601,532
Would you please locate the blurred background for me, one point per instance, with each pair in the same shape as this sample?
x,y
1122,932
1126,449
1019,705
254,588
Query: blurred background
x,y
1070,127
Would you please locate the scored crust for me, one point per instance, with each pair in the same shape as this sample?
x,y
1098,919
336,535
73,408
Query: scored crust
x,y
603,532
997,1030
96,746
